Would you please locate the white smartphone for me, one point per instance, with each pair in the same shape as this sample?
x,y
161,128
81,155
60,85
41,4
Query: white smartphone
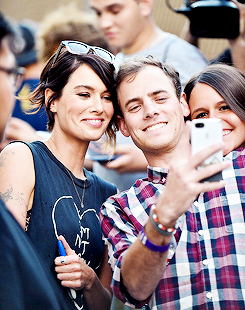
x,y
204,133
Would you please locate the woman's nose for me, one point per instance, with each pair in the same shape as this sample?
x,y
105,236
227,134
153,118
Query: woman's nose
x,y
97,105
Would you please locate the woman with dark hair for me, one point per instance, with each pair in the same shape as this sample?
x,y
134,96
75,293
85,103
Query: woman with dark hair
x,y
45,185
219,91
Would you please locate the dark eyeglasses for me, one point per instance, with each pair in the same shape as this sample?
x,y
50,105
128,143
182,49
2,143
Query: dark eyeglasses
x,y
79,48
15,74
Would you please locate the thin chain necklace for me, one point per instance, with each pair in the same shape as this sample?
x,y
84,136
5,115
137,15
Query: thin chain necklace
x,y
81,200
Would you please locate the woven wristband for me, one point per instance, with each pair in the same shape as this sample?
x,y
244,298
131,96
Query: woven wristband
x,y
162,229
151,246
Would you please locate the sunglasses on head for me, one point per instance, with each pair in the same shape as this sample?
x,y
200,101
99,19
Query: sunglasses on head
x,y
79,48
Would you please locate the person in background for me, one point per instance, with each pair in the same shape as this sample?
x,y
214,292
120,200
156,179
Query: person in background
x,y
57,198
176,242
25,284
128,26
235,54
28,59
24,125
68,23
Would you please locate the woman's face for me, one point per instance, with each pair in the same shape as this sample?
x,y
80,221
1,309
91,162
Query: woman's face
x,y
85,108
205,102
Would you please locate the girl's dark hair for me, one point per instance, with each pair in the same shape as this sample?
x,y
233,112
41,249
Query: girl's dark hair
x,y
227,81
56,76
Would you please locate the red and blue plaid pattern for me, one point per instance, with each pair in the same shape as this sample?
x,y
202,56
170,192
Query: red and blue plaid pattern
x,y
206,267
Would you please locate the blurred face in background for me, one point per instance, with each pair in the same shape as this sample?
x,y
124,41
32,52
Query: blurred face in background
x,y
121,21
7,88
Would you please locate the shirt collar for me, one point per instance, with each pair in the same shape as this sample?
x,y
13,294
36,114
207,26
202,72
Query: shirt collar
x,y
157,175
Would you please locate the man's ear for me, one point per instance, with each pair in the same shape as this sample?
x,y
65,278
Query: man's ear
x,y
146,7
48,94
184,105
122,126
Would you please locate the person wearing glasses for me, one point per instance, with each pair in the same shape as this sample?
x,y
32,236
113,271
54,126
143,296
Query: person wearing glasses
x,y
14,75
45,185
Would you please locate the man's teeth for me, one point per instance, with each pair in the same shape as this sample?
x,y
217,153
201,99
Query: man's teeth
x,y
156,126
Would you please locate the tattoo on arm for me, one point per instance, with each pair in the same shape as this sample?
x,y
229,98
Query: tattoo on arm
x,y
9,194
3,157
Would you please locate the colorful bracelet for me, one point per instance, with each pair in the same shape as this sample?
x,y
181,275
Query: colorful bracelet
x,y
162,229
151,246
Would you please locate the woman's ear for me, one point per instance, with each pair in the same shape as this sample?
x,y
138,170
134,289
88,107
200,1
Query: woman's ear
x,y
122,126
48,94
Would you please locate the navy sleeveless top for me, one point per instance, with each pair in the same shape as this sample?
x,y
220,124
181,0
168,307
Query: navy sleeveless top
x,y
57,211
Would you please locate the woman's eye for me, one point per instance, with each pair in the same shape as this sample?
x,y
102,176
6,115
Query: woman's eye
x,y
107,98
225,107
201,115
84,95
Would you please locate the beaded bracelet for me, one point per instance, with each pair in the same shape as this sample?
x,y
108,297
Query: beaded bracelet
x,y
162,229
151,246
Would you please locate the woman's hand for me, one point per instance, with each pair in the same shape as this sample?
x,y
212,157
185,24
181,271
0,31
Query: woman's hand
x,y
72,270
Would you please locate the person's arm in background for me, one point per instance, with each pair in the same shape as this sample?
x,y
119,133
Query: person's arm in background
x,y
18,129
237,45
187,36
131,159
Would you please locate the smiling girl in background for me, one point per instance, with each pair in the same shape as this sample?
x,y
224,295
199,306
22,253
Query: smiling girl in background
x,y
219,92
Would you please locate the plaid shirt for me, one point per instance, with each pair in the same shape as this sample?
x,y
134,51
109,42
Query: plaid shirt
x,y
206,268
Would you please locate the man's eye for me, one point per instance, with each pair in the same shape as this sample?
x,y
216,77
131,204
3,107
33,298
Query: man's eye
x,y
161,99
116,9
134,108
98,13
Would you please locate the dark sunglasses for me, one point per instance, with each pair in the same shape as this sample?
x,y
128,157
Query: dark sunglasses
x,y
79,48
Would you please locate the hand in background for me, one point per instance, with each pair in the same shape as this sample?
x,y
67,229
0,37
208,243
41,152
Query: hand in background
x,y
18,129
131,159
237,45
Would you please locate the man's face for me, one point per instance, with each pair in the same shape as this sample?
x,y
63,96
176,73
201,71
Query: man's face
x,y
7,90
120,20
152,114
